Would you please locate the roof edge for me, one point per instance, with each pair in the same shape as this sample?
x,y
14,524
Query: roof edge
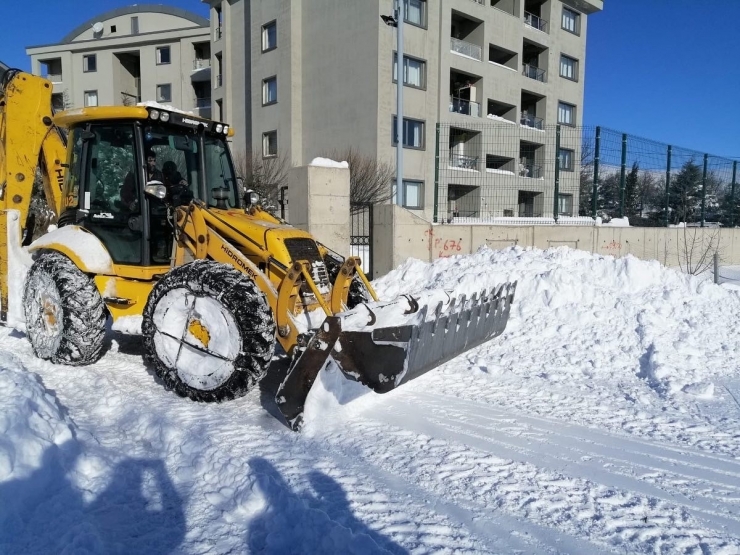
x,y
139,8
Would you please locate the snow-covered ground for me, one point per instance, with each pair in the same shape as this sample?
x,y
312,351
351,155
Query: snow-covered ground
x,y
604,420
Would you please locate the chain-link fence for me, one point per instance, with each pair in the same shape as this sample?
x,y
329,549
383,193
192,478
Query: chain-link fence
x,y
529,173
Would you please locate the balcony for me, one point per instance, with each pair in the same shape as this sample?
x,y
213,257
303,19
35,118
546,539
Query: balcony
x,y
535,21
217,33
464,162
534,73
466,49
530,170
201,63
532,121
54,77
204,102
463,106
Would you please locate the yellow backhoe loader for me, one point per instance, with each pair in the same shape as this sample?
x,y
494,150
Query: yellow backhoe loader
x,y
155,230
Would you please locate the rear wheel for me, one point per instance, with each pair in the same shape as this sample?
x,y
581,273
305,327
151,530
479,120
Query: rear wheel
x,y
65,314
208,331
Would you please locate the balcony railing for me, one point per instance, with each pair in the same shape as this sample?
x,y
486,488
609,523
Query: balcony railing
x,y
203,111
535,21
217,32
532,121
204,102
530,170
462,106
219,80
200,63
54,77
534,72
464,162
466,48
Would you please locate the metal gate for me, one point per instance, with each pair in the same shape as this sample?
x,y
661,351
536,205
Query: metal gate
x,y
361,235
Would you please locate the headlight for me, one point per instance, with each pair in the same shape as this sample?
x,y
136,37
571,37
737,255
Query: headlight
x,y
154,114
226,129
219,128
165,116
253,197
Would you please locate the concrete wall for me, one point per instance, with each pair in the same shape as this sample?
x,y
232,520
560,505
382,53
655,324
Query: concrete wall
x,y
398,235
319,204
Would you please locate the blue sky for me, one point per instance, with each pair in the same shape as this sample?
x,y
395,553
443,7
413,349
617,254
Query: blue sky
x,y
663,69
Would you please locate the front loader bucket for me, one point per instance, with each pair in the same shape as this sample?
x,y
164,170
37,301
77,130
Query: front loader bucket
x,y
384,358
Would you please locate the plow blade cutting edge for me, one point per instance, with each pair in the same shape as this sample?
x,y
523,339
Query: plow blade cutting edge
x,y
386,357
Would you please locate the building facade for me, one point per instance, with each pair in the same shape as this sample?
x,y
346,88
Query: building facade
x,y
129,55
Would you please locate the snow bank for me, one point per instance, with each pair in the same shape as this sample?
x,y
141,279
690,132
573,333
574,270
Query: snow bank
x,y
328,163
677,348
30,421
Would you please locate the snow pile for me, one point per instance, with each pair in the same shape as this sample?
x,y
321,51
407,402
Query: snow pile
x,y
30,421
662,320
618,222
328,163
166,107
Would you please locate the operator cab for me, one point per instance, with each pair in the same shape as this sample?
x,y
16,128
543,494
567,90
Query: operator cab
x,y
118,154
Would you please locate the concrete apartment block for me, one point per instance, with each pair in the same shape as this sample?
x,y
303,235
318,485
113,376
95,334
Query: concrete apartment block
x,y
128,55
306,79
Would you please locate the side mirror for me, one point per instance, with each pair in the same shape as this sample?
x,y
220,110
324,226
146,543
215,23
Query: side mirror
x,y
251,198
156,189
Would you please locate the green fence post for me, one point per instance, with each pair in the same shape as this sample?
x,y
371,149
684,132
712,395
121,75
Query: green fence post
x,y
732,194
556,200
704,190
597,150
667,183
623,175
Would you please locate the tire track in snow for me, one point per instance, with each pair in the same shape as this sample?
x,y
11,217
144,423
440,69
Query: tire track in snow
x,y
578,452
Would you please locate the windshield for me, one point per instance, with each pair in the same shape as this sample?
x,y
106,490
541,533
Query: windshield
x,y
175,156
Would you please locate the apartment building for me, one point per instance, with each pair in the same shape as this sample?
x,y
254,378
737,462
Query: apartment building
x,y
128,55
305,79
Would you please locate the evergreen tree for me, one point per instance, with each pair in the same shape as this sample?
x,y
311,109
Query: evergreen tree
x,y
632,191
685,193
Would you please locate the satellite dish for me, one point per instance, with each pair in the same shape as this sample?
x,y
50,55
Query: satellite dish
x,y
97,28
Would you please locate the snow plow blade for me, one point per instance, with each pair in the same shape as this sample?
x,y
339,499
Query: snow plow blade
x,y
387,357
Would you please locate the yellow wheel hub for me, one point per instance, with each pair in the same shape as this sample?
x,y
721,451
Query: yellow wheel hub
x,y
199,331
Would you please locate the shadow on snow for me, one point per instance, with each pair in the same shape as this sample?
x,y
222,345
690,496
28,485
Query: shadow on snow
x,y
138,512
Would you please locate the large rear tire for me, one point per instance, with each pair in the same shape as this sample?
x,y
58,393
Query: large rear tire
x,y
208,331
65,314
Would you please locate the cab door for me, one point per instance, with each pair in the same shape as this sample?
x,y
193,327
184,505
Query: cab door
x,y
111,204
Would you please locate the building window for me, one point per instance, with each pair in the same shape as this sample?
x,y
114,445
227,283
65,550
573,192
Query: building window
x,y
269,144
414,71
565,205
566,113
112,28
571,21
91,98
89,63
415,12
568,67
413,194
269,91
566,159
413,133
269,36
164,93
163,55
135,25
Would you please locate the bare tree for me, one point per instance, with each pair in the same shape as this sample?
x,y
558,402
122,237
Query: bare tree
x,y
696,247
265,176
370,180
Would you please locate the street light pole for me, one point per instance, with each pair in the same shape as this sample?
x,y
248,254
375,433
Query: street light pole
x,y
399,102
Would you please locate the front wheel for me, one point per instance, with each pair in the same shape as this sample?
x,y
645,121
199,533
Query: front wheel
x,y
65,314
208,331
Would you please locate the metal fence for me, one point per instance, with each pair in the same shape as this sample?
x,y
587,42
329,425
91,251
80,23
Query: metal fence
x,y
516,170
